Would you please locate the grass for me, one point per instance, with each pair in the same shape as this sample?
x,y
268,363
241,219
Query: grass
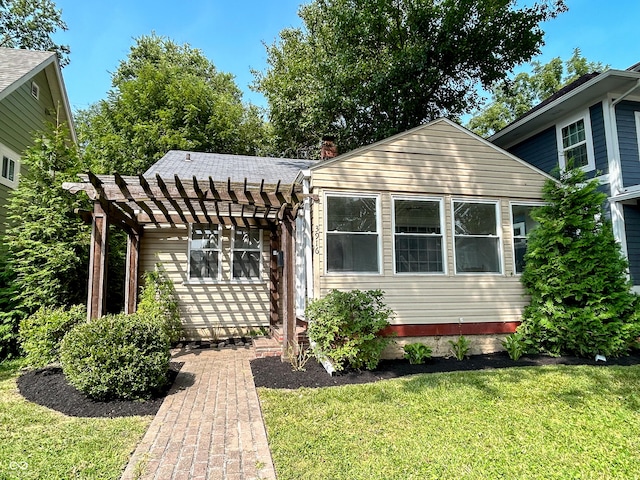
x,y
556,422
38,443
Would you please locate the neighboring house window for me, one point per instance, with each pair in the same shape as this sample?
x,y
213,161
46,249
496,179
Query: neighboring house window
x,y
352,234
35,90
204,252
418,242
476,237
523,225
575,144
246,253
8,168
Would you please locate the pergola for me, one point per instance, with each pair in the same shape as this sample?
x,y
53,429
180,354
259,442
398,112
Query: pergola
x,y
135,202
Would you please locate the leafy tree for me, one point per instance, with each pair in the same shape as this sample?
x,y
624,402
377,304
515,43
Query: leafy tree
x,y
366,69
513,98
30,24
581,300
47,243
167,96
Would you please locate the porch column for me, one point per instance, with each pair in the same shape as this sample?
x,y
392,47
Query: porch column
x,y
131,275
96,301
289,337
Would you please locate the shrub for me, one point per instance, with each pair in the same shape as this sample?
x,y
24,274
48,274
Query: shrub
x,y
417,353
42,332
345,328
460,347
158,301
514,345
116,356
575,273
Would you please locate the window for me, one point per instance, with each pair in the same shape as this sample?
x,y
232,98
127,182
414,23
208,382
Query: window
x,y
523,225
35,90
204,252
476,238
418,243
8,168
352,234
575,144
246,254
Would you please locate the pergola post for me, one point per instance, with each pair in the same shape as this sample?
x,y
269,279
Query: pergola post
x,y
274,279
289,337
131,275
97,297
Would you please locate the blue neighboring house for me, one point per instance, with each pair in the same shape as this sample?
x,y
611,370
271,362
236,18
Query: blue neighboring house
x,y
596,122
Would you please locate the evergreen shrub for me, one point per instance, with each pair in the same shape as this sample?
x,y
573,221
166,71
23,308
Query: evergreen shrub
x,y
42,332
158,301
575,273
345,328
116,356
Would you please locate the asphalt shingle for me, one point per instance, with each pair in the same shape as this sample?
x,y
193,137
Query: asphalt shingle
x,y
17,63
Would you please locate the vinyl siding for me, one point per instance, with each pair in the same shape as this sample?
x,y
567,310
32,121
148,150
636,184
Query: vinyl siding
x,y
599,139
225,305
541,150
628,142
436,161
632,229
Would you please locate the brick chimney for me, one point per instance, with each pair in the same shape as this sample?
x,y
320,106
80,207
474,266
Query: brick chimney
x,y
328,148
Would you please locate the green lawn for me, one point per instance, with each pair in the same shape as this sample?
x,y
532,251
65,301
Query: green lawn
x,y
38,443
562,422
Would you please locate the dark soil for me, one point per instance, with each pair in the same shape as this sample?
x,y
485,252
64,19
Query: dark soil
x,y
271,372
49,387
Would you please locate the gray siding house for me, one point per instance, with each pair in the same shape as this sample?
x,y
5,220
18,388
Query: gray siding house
x,y
32,94
596,122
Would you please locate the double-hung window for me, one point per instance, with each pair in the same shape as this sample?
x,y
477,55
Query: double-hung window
x,y
352,234
476,237
575,143
246,254
418,242
204,252
523,225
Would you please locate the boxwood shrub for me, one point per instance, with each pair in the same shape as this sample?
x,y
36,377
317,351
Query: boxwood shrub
x,y
117,356
41,333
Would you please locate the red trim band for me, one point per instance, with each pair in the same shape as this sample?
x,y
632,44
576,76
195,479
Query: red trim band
x,y
431,330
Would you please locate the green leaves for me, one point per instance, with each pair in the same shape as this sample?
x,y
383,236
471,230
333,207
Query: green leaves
x,y
581,300
345,326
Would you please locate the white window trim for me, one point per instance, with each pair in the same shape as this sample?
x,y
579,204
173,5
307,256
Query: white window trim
x,y
513,237
498,210
257,279
378,232
440,201
218,278
10,154
591,158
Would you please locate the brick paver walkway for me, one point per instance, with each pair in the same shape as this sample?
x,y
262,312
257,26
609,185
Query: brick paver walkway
x,y
209,426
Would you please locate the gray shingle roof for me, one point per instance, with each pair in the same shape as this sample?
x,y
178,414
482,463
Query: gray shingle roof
x,y
16,64
222,166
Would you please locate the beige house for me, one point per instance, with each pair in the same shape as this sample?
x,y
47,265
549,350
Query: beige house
x,y
436,217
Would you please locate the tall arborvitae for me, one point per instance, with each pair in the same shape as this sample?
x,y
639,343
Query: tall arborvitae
x,y
576,275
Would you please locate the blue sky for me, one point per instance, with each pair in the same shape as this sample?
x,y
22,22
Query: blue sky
x,y
231,35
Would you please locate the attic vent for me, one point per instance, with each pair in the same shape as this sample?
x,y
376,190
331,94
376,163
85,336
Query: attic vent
x,y
35,90
187,157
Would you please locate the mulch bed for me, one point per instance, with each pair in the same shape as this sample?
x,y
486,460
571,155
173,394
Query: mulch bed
x,y
271,372
49,387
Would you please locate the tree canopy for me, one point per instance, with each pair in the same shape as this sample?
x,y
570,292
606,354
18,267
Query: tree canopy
x,y
167,96
366,69
30,24
513,97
